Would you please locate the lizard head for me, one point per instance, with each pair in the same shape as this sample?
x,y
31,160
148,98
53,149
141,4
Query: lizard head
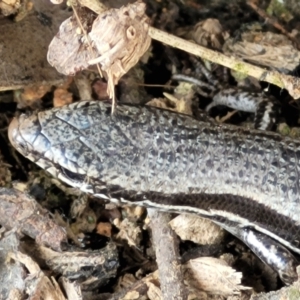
x,y
44,147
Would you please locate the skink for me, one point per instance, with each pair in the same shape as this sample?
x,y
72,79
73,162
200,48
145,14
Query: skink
x,y
245,180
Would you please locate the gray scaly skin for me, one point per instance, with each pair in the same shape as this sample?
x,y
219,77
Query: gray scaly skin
x,y
265,108
242,179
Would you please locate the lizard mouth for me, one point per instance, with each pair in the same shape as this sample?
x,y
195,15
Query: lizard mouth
x,y
73,176
25,134
13,134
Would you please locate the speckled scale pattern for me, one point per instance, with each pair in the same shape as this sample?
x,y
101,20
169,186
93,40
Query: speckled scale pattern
x,y
142,152
266,108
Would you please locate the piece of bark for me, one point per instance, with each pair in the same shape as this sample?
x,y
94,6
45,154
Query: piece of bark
x,y
72,289
19,212
38,286
90,269
166,245
12,274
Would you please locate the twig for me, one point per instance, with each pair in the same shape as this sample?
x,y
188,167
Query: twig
x,y
167,256
227,116
95,6
22,213
290,83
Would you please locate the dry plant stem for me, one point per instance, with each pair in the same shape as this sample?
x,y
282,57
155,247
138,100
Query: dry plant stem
x,y
290,83
272,21
166,245
227,116
95,6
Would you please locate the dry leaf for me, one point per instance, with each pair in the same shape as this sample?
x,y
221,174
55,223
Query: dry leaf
x,y
196,229
85,222
72,289
209,33
181,105
154,292
121,38
9,7
100,89
125,281
104,229
117,40
214,276
69,50
61,94
129,231
30,96
62,97
264,48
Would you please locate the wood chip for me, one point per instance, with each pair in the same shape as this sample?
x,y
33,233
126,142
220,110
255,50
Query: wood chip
x,y
214,276
197,229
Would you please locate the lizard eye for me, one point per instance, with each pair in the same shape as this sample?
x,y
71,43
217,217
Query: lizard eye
x,y
22,147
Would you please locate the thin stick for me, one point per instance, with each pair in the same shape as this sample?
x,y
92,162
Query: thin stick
x,y
95,6
166,244
288,82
